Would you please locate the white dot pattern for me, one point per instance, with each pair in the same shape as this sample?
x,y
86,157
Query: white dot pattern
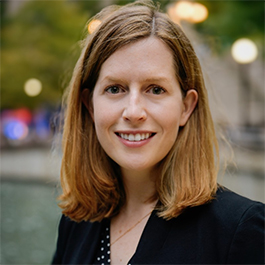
x,y
103,252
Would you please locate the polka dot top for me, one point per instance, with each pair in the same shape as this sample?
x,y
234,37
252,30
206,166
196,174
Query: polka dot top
x,y
103,253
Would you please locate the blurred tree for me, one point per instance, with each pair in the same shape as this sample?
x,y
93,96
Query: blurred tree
x,y
93,6
39,41
231,20
3,12
227,21
36,43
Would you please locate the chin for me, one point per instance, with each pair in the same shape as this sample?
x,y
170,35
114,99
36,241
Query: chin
x,y
138,167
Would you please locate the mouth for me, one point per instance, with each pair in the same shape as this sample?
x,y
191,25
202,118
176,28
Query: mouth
x,y
135,137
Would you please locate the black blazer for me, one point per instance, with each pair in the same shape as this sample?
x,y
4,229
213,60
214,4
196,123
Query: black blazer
x,y
229,230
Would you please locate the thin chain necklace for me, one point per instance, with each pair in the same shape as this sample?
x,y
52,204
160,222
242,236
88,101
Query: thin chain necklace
x,y
131,228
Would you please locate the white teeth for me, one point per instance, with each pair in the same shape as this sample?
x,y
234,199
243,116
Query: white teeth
x,y
135,137
131,137
124,136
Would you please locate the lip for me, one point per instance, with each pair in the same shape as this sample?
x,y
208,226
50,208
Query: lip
x,y
135,143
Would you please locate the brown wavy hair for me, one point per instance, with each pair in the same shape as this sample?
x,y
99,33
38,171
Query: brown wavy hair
x,y
91,181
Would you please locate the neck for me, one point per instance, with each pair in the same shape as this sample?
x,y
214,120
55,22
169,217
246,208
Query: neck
x,y
140,190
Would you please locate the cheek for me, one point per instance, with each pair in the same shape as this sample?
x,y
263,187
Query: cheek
x,y
170,117
100,112
101,122
104,119
170,126
101,128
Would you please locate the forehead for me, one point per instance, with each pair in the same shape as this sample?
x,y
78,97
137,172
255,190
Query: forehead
x,y
149,56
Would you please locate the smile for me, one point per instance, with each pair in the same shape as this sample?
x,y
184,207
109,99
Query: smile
x,y
135,137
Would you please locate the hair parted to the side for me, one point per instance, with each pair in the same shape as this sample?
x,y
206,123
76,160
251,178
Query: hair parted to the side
x,y
91,181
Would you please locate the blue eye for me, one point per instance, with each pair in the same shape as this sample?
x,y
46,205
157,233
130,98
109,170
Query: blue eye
x,y
156,90
113,90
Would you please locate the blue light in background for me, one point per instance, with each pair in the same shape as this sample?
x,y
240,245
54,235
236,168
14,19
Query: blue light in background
x,y
15,130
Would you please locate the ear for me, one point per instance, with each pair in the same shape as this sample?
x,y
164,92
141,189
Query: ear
x,y
87,102
189,104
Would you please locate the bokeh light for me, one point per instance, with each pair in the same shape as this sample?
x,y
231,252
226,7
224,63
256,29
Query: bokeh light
x,y
15,123
33,87
188,11
16,130
184,10
244,51
93,25
172,14
42,123
200,13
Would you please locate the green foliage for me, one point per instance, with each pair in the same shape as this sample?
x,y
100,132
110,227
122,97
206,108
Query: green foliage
x,y
3,12
40,40
231,20
36,43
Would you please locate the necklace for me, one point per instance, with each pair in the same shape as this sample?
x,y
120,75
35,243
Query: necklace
x,y
131,228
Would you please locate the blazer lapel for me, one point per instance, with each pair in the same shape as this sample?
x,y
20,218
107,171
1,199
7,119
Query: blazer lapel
x,y
152,240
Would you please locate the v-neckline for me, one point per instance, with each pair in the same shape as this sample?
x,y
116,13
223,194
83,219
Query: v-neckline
x,y
152,239
141,237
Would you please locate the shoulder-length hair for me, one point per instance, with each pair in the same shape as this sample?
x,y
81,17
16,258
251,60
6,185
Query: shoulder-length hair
x,y
91,181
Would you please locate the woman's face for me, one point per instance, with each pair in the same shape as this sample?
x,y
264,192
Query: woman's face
x,y
138,105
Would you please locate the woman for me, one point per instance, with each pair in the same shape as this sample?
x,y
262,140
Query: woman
x,y
140,154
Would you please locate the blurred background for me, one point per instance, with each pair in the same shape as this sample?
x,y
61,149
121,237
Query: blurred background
x,y
39,48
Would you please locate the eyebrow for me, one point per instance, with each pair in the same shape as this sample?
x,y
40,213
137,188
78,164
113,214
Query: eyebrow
x,y
151,79
112,79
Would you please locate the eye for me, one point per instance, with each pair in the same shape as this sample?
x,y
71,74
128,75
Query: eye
x,y
113,90
156,90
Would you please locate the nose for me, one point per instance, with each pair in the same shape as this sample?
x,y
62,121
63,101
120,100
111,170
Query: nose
x,y
135,109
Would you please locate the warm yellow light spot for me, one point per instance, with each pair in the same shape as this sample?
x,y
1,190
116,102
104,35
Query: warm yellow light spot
x,y
172,14
200,13
93,24
189,11
244,51
184,10
32,87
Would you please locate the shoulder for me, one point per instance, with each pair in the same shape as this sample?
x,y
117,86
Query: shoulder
x,y
229,204
228,230
224,195
233,224
71,236
68,225
230,212
246,218
76,231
